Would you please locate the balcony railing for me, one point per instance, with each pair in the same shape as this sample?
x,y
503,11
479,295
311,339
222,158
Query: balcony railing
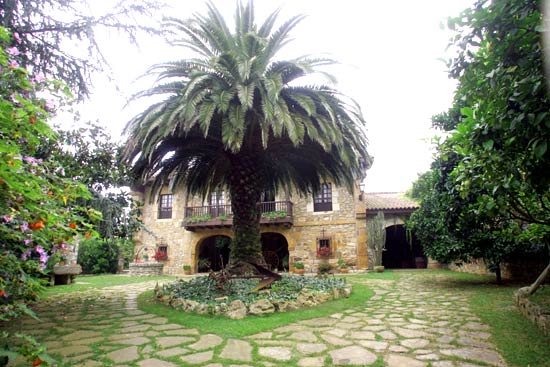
x,y
216,216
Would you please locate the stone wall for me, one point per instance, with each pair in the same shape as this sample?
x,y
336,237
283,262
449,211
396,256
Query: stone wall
x,y
522,270
146,269
533,312
343,225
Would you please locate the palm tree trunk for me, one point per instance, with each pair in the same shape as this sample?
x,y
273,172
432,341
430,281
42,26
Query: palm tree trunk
x,y
245,187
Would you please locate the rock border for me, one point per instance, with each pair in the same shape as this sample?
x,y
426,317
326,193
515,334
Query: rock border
x,y
238,310
533,312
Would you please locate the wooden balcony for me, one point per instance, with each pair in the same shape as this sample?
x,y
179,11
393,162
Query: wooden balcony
x,y
274,213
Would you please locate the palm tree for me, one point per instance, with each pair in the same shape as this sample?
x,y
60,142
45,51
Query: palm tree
x,y
236,117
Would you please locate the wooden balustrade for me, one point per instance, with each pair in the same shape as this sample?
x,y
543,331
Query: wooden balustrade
x,y
216,216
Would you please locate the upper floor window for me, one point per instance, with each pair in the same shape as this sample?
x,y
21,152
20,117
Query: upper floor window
x,y
217,198
165,206
322,202
217,203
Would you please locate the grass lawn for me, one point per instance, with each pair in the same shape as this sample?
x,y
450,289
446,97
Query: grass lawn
x,y
83,282
519,341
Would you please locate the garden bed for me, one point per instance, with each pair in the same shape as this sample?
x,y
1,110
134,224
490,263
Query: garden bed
x,y
235,300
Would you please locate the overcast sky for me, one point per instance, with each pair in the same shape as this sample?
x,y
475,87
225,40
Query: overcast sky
x,y
389,53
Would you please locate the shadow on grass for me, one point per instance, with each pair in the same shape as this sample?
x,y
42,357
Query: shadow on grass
x,y
250,325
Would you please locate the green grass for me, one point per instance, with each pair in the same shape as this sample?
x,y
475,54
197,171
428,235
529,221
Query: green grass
x,y
84,282
517,339
250,325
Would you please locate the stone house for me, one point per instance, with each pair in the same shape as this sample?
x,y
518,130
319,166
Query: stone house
x,y
402,249
312,230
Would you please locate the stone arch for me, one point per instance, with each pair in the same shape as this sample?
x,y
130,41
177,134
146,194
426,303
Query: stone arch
x,y
393,220
275,249
211,251
400,252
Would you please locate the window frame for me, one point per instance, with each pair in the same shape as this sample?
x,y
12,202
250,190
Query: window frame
x,y
322,243
166,203
322,202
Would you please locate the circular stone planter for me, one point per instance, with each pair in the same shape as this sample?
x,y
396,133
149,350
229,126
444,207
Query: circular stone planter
x,y
146,269
238,310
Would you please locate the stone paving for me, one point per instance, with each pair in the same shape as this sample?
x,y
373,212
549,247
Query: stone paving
x,y
406,324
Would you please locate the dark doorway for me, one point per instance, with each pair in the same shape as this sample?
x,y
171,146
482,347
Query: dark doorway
x,y
212,252
400,253
275,251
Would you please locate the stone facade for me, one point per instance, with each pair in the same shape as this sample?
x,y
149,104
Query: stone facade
x,y
344,226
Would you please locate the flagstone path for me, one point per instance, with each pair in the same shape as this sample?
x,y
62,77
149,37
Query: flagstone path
x,y
408,323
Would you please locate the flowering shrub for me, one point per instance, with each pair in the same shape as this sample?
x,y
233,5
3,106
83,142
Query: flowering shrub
x,y
38,210
160,255
324,252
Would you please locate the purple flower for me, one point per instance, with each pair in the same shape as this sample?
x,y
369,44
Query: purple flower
x,y
40,250
23,140
27,241
49,106
12,51
31,160
39,78
25,255
24,227
7,219
17,37
13,64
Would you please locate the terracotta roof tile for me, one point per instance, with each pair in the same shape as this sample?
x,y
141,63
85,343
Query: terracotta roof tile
x,y
389,201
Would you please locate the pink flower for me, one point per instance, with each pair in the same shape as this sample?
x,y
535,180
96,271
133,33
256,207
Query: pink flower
x,y
12,51
13,64
24,227
7,219
17,37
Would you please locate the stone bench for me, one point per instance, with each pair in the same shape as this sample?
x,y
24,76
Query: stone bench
x,y
64,274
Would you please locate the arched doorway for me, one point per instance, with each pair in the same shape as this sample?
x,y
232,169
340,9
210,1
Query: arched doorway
x,y
275,250
212,251
400,252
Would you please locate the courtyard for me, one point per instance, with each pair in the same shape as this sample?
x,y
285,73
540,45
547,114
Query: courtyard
x,y
416,318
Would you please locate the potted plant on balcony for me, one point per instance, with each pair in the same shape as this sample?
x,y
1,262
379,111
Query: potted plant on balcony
x,y
187,269
299,268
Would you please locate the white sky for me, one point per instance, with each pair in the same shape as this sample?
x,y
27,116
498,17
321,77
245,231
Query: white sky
x,y
389,52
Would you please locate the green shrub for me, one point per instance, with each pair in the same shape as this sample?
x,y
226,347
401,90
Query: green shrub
x,y
205,289
98,256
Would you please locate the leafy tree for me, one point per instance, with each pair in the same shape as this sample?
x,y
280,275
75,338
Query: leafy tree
x,y
39,211
498,180
43,29
89,155
236,116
